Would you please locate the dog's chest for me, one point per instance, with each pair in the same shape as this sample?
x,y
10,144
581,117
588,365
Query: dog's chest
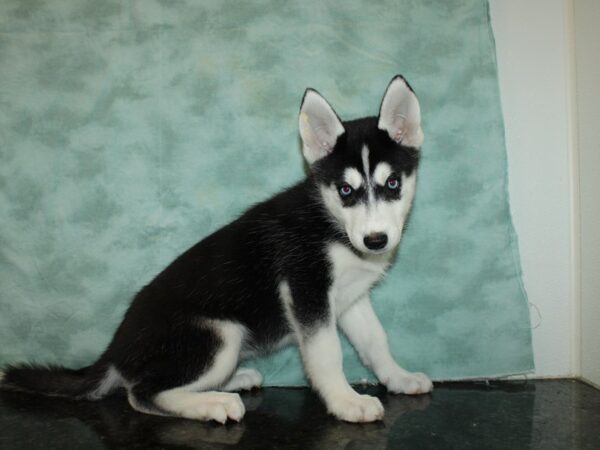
x,y
352,275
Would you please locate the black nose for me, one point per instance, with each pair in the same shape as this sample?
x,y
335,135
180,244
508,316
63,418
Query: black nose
x,y
375,241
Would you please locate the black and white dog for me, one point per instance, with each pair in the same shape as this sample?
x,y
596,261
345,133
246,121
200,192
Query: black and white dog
x,y
294,267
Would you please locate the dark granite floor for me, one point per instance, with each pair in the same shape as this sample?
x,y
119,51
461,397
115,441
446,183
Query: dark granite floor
x,y
562,414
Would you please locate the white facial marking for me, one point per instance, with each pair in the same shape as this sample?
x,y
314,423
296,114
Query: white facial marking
x,y
367,169
353,178
365,160
381,173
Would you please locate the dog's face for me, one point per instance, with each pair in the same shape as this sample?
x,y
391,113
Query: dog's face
x,y
365,168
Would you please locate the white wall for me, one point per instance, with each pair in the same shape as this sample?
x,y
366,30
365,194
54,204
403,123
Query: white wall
x,y
536,82
587,54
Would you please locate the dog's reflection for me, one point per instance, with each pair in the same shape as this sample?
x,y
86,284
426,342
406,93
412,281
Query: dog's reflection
x,y
275,418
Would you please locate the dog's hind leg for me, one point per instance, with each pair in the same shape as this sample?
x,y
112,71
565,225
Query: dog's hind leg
x,y
211,405
171,386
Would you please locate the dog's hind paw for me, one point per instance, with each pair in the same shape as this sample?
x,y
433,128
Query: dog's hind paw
x,y
244,379
409,383
204,406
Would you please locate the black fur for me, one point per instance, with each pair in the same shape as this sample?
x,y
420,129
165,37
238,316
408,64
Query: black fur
x,y
54,380
234,274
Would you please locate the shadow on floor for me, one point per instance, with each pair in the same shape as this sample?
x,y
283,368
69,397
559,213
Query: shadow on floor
x,y
516,415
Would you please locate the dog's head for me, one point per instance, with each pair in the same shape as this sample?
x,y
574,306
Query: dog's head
x,y
365,168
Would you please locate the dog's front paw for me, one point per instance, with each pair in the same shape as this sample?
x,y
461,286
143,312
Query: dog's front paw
x,y
409,383
356,408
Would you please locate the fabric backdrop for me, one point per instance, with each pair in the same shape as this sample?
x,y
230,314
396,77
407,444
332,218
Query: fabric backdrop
x,y
131,129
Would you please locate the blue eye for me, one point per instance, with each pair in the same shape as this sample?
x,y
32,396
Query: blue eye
x,y
393,183
346,190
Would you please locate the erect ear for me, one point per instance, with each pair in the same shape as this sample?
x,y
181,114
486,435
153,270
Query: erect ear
x,y
319,126
400,114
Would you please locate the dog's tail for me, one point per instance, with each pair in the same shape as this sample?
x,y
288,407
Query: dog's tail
x,y
87,383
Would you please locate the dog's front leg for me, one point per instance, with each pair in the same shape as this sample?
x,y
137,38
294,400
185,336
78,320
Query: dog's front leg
x,y
322,355
361,325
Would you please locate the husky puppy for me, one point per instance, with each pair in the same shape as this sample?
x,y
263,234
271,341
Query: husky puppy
x,y
294,267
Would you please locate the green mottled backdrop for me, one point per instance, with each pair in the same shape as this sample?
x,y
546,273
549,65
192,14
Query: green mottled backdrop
x,y
131,129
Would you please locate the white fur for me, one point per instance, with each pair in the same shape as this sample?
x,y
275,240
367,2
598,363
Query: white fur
x,y
244,379
377,216
319,127
364,154
381,173
285,294
322,356
111,380
400,114
352,275
361,325
353,177
219,406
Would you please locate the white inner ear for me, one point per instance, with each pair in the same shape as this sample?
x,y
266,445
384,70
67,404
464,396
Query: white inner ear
x,y
400,114
319,127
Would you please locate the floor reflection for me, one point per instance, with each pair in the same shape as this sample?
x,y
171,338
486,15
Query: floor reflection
x,y
456,415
